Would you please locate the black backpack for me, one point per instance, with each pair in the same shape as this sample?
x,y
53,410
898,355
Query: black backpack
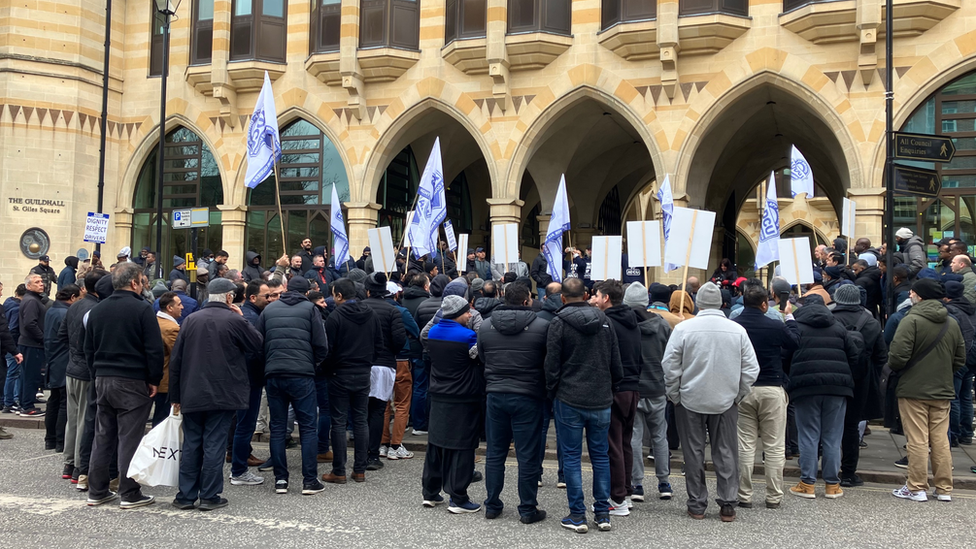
x,y
860,345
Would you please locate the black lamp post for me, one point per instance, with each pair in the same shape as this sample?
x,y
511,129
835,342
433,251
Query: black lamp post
x,y
167,8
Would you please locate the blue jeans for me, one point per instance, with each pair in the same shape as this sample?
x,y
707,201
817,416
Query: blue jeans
x,y
31,379
961,424
546,420
421,381
11,389
513,417
202,457
300,393
820,422
325,414
570,424
244,431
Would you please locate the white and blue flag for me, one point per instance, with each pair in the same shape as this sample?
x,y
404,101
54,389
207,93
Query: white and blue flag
x,y
558,224
431,207
768,249
340,241
263,141
801,175
666,199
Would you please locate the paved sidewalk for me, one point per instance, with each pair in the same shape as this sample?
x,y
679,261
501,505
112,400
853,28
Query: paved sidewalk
x,y
876,462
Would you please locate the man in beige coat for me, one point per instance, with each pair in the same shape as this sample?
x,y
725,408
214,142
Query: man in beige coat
x,y
170,308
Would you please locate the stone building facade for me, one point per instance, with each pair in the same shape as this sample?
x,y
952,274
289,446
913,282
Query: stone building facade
x,y
615,94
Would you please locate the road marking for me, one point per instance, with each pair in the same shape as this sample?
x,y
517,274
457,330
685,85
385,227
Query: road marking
x,y
56,506
30,459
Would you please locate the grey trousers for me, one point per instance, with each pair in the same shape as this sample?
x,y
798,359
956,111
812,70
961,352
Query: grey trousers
x,y
723,433
77,391
650,416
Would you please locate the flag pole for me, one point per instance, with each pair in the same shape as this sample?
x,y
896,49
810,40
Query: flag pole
x,y
281,217
443,265
684,274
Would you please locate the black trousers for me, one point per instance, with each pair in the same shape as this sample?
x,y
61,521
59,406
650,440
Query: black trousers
x,y
792,438
120,423
88,436
375,413
450,470
850,443
56,418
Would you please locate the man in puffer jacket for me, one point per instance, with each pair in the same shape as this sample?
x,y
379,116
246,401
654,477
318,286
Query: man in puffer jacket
x,y
821,381
252,267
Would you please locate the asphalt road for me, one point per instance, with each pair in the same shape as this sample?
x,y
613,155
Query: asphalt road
x,y
38,509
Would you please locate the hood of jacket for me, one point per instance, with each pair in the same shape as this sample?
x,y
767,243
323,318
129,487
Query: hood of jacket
x,y
552,303
249,258
814,314
415,293
872,273
511,320
931,310
684,305
292,298
623,314
71,261
486,304
963,304
438,284
355,312
582,317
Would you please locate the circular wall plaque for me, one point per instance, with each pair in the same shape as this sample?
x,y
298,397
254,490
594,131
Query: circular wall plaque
x,y
34,243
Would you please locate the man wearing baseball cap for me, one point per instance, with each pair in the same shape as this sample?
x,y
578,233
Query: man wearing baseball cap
x,y
43,268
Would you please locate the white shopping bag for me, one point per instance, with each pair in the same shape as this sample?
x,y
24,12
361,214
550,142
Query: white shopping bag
x,y
157,460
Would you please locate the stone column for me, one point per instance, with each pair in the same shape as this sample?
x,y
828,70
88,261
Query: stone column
x,y
360,217
870,214
233,220
504,211
121,232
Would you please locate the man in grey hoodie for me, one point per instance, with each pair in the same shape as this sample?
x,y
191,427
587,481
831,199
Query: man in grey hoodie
x,y
709,366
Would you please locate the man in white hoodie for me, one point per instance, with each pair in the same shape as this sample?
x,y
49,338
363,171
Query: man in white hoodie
x,y
709,366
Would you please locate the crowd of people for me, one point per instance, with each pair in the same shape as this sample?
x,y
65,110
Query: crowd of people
x,y
468,351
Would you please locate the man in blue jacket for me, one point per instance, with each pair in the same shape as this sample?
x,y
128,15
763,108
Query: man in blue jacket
x,y
294,346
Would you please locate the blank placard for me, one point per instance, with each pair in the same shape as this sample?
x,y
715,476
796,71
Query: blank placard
x,y
606,258
849,218
690,241
795,262
381,246
643,244
504,243
462,248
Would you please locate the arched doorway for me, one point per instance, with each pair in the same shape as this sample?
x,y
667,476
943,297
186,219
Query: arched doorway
x,y
310,166
191,179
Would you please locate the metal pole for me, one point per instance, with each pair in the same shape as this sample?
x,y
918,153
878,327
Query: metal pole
x,y
160,155
889,152
104,121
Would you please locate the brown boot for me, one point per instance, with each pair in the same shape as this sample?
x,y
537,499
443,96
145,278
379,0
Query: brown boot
x,y
253,461
324,458
334,479
359,477
833,491
803,490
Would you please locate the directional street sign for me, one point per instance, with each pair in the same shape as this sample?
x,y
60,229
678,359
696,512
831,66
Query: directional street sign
x,y
917,181
930,148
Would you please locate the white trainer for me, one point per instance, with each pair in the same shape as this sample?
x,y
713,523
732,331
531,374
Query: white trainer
x,y
905,493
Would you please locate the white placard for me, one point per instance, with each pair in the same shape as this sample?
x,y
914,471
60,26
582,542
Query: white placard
x,y
849,218
504,244
795,262
462,254
690,228
606,258
643,244
381,248
96,228
449,231
406,229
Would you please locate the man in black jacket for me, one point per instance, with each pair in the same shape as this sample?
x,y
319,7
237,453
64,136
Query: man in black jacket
x,y
763,412
124,350
425,311
869,278
31,343
209,381
383,374
608,297
417,290
866,403
8,346
56,353
582,368
294,345
47,274
347,370
540,272
964,311
488,302
512,346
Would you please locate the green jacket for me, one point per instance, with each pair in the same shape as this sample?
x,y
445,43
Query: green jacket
x,y
931,378
969,283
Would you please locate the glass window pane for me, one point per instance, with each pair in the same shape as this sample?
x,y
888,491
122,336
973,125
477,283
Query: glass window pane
x,y
206,10
956,107
964,143
923,119
474,17
951,181
906,210
522,13
242,7
273,8
937,218
967,221
330,2
963,86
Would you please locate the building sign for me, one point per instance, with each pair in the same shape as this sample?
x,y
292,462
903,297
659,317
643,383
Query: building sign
x,y
36,205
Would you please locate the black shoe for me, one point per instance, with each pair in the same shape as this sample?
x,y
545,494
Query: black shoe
x,y
538,516
313,488
851,481
183,505
727,513
211,505
954,443
140,501
902,463
745,504
8,410
862,444
477,477
290,443
281,486
374,465
67,471
966,441
770,505
48,445
490,514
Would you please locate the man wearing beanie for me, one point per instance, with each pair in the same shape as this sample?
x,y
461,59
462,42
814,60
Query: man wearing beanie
x,y
913,248
457,387
927,350
383,374
207,388
709,366
608,297
660,296
961,412
294,345
866,403
650,416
